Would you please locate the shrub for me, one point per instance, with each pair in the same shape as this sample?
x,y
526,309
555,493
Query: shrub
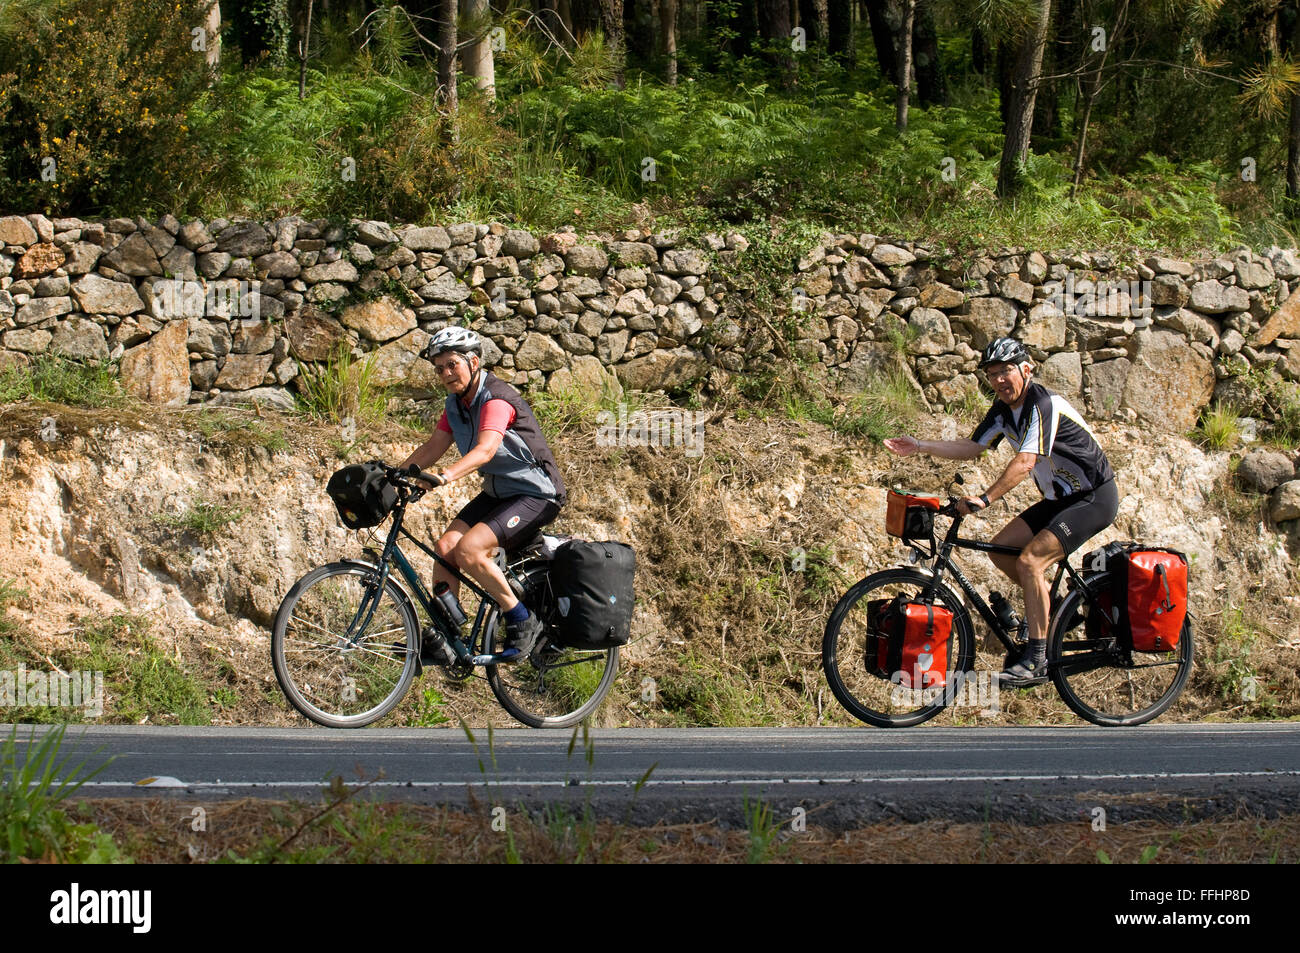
x,y
91,87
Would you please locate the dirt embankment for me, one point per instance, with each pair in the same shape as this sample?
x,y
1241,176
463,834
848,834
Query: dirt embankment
x,y
174,536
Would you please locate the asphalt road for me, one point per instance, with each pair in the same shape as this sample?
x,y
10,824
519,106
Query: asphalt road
x,y
848,776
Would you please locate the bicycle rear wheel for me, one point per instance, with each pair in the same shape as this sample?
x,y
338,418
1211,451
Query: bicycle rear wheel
x,y
1099,681
335,666
887,703
565,686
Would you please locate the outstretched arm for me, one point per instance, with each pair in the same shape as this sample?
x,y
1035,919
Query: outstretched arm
x,y
948,449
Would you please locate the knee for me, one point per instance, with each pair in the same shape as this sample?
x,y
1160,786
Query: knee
x,y
1028,569
446,546
468,556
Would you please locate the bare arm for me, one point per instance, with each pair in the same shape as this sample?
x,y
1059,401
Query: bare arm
x,y
429,452
1021,465
948,449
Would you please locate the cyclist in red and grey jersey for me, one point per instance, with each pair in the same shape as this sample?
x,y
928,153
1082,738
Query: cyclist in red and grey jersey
x,y
1079,500
497,435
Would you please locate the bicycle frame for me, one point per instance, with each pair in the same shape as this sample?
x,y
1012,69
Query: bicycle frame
x,y
484,619
941,553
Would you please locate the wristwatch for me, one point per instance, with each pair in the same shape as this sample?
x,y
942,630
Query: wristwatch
x,y
985,498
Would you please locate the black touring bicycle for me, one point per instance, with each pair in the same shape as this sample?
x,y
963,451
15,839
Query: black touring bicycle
x,y
900,644
348,638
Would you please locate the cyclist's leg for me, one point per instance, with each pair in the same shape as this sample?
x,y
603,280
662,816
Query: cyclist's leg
x,y
1018,534
510,521
471,513
1043,552
446,548
1074,522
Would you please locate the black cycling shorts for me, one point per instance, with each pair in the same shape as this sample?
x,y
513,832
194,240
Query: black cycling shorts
x,y
1075,519
512,519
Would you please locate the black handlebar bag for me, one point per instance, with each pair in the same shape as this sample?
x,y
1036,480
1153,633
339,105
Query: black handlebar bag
x,y
362,495
593,592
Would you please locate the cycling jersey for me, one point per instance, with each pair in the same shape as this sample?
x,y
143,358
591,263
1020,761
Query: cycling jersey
x,y
523,464
1070,461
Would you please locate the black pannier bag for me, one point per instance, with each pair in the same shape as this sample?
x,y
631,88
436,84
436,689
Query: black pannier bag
x,y
362,495
592,593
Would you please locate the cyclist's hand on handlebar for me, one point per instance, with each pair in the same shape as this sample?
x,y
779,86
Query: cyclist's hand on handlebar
x,y
968,505
429,479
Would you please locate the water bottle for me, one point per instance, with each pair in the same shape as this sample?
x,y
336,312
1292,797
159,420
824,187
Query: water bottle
x,y
1005,614
449,602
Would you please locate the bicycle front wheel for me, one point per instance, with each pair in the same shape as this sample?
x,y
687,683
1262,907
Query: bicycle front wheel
x,y
344,651
1099,681
889,702
565,685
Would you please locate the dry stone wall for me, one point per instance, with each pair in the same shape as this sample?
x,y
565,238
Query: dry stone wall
x,y
229,311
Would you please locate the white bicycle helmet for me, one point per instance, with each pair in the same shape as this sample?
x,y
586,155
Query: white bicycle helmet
x,y
461,340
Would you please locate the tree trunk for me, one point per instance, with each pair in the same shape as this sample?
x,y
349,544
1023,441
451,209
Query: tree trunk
x,y
1046,123
564,13
1093,84
813,17
304,49
212,29
447,55
668,26
883,37
1293,136
905,65
611,16
979,52
479,62
1029,61
931,86
774,23
839,31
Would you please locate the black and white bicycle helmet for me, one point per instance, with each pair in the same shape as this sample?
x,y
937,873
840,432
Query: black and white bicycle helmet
x,y
461,340
1004,351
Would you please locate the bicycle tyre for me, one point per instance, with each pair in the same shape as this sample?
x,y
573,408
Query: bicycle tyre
x,y
569,686
332,684
1094,680
875,700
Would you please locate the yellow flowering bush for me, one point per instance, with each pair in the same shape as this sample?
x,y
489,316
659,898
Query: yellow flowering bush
x,y
94,98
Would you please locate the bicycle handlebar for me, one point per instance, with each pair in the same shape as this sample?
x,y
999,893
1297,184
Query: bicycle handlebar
x,y
406,476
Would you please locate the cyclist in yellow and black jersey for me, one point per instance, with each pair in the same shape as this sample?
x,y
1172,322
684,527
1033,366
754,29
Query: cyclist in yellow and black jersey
x,y
1054,443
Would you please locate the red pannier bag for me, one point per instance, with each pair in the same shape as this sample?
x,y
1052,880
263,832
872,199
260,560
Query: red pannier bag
x,y
908,516
1145,603
909,638
1154,598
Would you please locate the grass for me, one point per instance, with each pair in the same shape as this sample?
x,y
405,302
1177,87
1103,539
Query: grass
x,y
203,517
1218,428
142,679
341,388
430,710
217,424
763,831
1234,666
58,380
888,405
34,828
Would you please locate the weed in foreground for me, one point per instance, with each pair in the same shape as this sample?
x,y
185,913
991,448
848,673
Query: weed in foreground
x,y
33,824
